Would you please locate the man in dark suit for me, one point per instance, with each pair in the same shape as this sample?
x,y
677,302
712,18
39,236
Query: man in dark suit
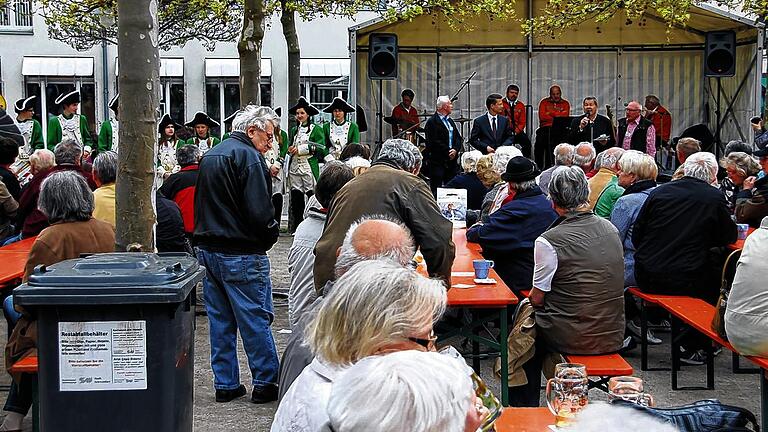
x,y
591,125
443,145
491,130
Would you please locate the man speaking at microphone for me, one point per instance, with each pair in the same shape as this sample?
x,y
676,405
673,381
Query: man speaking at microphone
x,y
591,125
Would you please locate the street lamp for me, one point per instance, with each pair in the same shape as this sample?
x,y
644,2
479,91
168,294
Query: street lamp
x,y
106,20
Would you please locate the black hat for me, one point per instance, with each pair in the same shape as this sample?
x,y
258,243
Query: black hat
x,y
68,98
339,103
302,103
520,169
8,128
202,118
231,117
761,152
165,121
279,111
113,103
22,105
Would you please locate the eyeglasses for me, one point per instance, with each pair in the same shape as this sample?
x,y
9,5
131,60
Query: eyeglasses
x,y
631,109
426,343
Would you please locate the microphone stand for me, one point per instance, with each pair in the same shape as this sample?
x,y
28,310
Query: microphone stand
x,y
455,97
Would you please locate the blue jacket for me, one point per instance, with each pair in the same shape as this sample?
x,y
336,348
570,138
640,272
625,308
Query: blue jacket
x,y
475,189
508,237
623,217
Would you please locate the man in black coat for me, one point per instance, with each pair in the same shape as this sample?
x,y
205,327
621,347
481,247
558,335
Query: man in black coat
x,y
491,130
443,145
591,125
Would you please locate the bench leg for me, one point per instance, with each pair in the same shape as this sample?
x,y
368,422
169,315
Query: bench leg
x,y
736,367
763,396
710,367
36,408
644,336
503,317
675,347
475,345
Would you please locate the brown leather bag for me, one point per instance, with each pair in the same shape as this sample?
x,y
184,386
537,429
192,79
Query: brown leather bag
x,y
729,270
21,343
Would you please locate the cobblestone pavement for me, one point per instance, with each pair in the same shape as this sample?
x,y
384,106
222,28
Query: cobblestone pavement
x,y
242,415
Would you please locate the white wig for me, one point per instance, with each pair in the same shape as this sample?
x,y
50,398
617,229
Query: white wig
x,y
403,391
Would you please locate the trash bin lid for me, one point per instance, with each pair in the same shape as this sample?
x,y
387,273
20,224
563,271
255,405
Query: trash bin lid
x,y
112,278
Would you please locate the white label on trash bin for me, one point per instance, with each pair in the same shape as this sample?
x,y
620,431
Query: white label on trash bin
x,y
103,355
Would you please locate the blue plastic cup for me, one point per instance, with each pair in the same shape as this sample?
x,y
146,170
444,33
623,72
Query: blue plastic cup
x,y
482,267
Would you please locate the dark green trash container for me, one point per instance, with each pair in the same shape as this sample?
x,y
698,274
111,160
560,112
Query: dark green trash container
x,y
115,341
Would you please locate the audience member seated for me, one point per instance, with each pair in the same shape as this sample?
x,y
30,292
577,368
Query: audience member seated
x,y
41,160
40,163
605,180
674,236
355,150
8,209
9,151
66,201
485,172
685,148
389,188
746,316
358,165
584,157
563,157
498,191
578,283
180,186
105,175
169,234
469,180
301,256
752,201
429,392
367,239
377,307
508,236
739,166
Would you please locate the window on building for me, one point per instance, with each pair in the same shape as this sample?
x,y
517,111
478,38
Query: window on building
x,y
172,99
16,14
222,99
55,86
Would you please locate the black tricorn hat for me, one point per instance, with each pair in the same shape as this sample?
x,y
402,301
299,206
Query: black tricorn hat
x,y
22,105
520,169
165,121
68,98
202,118
339,103
113,102
231,117
302,103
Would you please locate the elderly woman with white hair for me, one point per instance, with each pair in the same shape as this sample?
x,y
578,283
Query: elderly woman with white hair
x,y
375,308
469,180
405,391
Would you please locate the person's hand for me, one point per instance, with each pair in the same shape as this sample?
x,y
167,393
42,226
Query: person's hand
x,y
583,123
490,150
757,127
274,170
293,150
749,182
476,415
452,154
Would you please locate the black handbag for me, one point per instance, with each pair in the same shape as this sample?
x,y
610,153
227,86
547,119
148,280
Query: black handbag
x,y
707,415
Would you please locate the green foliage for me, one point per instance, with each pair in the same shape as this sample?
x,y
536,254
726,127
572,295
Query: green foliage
x,y
85,23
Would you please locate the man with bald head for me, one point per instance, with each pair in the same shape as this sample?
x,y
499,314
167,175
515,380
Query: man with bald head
x,y
584,156
370,238
636,132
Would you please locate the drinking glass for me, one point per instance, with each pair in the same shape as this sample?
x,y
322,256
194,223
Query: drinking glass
x,y
568,392
630,389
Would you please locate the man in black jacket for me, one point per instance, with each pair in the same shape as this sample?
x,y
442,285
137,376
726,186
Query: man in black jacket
x,y
491,130
234,228
591,125
443,145
674,236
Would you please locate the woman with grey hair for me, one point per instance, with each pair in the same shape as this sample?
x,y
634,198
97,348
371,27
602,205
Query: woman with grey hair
x,y
105,175
67,201
376,308
469,180
430,392
739,166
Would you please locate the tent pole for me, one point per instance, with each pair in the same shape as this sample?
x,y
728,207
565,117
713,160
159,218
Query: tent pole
x,y
717,116
529,119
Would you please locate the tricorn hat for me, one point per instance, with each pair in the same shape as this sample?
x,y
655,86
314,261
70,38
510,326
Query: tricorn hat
x,y
22,105
165,121
302,103
202,118
68,98
231,117
519,169
279,111
113,102
339,103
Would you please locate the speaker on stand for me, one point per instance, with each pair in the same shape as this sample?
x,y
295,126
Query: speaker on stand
x,y
719,61
382,65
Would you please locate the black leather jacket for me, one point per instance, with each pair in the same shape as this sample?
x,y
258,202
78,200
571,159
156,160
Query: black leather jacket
x,y
233,206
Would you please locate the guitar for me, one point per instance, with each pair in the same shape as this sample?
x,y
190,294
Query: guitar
x,y
611,117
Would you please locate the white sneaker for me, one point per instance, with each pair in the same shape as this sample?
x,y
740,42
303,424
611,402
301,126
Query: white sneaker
x,y
636,332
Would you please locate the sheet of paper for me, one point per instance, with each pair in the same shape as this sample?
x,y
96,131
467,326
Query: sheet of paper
x,y
462,286
462,274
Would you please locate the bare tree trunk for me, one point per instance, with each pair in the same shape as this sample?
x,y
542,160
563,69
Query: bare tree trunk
x,y
249,48
288,20
139,82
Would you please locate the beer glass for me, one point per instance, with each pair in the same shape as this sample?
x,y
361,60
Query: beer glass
x,y
630,389
568,392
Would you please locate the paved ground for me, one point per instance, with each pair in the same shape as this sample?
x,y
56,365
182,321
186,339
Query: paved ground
x,y
242,415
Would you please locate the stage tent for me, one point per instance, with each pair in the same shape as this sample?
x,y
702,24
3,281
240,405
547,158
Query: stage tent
x,y
617,61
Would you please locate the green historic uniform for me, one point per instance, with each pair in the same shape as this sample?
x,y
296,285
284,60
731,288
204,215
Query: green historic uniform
x,y
315,147
108,132
207,142
30,128
166,147
337,136
75,126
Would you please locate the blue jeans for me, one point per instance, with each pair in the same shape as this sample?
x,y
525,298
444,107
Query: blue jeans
x,y
238,296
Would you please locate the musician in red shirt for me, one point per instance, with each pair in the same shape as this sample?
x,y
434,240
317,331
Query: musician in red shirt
x,y
546,138
514,110
404,112
661,119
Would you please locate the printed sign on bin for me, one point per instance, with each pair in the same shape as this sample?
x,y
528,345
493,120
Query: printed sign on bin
x,y
103,355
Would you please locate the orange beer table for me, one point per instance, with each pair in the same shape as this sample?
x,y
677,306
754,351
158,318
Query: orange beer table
x,y
739,244
525,420
484,302
13,259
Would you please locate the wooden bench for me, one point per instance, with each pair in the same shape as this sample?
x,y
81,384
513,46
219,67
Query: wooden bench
x,y
646,301
602,368
29,365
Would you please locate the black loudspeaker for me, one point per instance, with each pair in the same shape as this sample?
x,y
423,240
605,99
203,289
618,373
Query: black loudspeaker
x,y
382,56
720,54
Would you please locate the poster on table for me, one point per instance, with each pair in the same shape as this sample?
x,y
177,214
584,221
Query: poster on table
x,y
453,205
